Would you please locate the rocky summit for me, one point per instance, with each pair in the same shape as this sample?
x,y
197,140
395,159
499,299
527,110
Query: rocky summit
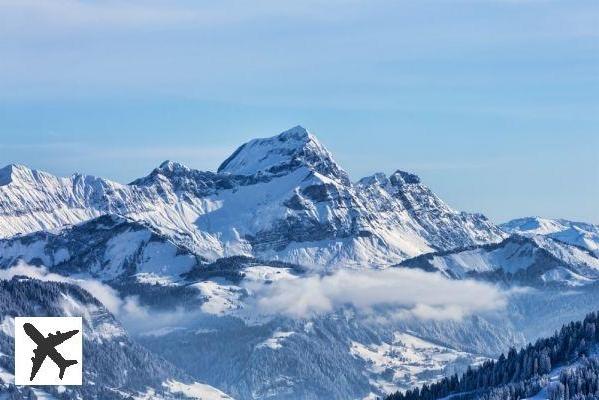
x,y
281,198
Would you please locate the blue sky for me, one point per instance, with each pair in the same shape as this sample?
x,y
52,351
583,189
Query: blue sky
x,y
495,104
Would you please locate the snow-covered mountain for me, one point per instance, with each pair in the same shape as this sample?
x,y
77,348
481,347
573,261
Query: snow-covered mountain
x,y
580,234
223,341
135,259
114,367
218,337
193,256
278,198
282,154
530,260
107,248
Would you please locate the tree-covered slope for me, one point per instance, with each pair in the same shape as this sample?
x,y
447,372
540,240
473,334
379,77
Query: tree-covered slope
x,y
563,366
114,367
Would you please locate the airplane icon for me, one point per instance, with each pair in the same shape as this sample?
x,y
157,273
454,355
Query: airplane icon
x,y
46,346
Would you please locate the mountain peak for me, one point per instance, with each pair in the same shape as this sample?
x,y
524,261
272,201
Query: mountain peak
x,y
169,165
533,225
167,171
378,178
282,154
400,178
393,182
298,132
13,172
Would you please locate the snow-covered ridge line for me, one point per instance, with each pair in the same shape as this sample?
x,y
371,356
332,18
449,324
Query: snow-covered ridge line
x,y
581,234
282,198
537,260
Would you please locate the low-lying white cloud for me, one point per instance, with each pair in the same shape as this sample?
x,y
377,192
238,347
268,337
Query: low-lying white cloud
x,y
417,293
411,293
134,316
22,269
105,294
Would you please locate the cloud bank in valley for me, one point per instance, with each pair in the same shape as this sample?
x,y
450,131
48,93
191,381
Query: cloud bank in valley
x,y
407,292
127,309
415,293
105,294
134,316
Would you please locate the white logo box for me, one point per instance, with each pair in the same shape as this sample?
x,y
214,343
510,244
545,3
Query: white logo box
x,y
70,350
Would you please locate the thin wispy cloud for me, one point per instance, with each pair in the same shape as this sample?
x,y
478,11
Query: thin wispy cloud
x,y
61,16
105,294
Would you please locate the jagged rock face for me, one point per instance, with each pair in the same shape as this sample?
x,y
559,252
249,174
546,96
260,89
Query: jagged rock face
x,y
279,198
172,177
438,224
535,260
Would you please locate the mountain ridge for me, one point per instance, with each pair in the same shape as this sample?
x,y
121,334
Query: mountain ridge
x,y
530,260
282,197
581,234
197,251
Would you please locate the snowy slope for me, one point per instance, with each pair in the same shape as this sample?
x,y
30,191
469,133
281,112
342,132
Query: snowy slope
x,y
435,221
535,259
409,361
336,356
576,233
33,200
278,198
347,354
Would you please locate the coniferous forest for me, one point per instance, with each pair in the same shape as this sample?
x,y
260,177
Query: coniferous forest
x,y
524,373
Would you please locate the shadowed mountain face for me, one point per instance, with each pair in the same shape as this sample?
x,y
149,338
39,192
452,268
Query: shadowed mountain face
x,y
278,198
112,361
108,248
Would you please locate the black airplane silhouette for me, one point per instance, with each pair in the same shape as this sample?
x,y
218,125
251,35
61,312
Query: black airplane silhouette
x,y
46,347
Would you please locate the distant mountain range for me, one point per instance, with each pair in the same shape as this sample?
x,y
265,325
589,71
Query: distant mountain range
x,y
534,260
576,233
278,198
187,254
